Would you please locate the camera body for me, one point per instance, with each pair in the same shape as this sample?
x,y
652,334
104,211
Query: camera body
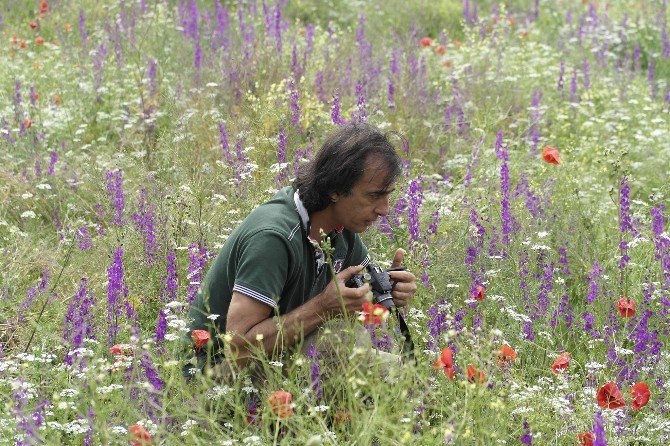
x,y
380,283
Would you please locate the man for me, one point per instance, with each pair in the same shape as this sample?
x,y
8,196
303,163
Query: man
x,y
271,284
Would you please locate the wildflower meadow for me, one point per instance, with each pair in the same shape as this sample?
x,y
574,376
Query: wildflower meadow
x,y
135,135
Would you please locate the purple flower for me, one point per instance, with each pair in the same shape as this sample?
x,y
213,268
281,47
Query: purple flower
x,y
151,373
335,113
650,78
361,116
82,26
78,324
225,147
561,74
526,438
83,238
586,73
197,256
278,27
161,327
116,291
506,218
315,371
28,420
169,293
473,163
281,156
596,271
318,86
573,87
52,162
391,94
415,198
222,24
599,429
145,222
114,182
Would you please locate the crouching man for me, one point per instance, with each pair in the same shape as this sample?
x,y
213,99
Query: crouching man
x,y
271,283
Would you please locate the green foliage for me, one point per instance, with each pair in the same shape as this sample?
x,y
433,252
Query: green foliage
x,y
100,110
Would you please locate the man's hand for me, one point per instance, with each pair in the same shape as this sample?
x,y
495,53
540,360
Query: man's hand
x,y
352,298
405,286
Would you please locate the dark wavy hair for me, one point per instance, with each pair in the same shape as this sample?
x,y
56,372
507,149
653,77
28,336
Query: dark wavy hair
x,y
340,163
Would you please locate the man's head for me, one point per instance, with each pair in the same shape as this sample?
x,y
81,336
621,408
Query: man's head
x,y
342,161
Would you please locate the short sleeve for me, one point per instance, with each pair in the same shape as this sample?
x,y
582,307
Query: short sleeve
x,y
262,267
359,252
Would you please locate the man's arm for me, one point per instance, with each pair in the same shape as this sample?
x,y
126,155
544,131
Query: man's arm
x,y
249,319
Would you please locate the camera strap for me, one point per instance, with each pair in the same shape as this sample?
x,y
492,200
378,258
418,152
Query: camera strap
x,y
408,347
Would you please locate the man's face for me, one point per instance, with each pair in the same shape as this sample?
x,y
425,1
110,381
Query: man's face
x,y
369,199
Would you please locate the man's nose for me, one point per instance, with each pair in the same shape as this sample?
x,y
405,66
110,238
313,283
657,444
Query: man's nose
x,y
382,208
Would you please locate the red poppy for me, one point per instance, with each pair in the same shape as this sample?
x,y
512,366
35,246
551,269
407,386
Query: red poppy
x,y
39,41
550,155
457,43
342,417
561,363
121,349
441,50
639,394
67,27
44,7
426,41
22,44
506,355
610,397
446,362
139,435
626,307
57,99
585,439
475,375
32,25
280,403
479,293
200,338
374,314
446,64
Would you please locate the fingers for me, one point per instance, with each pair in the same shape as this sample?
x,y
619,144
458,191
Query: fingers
x,y
405,287
398,257
347,273
402,276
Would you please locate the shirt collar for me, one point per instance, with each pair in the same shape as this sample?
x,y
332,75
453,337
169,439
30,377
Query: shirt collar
x,y
304,216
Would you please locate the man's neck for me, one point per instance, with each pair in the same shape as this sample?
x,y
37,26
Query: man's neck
x,y
320,221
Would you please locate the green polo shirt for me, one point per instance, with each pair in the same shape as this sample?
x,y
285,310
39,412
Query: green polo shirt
x,y
270,258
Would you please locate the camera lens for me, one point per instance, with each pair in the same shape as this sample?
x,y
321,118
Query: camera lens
x,y
385,300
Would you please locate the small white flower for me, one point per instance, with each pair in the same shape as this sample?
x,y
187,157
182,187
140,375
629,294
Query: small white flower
x,y
213,317
28,214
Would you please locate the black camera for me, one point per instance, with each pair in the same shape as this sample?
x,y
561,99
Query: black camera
x,y
380,283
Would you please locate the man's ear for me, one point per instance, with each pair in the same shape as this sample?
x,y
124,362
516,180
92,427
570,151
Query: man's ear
x,y
334,197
